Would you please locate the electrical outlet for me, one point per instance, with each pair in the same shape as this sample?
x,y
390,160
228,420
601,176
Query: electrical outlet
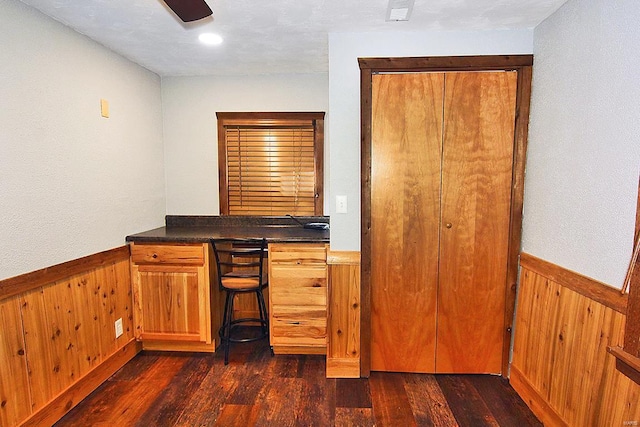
x,y
118,327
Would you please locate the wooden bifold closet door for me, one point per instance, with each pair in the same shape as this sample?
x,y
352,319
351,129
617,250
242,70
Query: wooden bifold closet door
x,y
442,160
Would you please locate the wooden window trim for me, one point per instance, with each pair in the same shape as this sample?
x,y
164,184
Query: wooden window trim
x,y
523,65
265,119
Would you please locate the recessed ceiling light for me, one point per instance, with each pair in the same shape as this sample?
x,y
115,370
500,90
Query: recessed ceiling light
x,y
210,38
399,10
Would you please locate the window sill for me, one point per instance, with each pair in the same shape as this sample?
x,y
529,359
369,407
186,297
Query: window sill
x,y
626,363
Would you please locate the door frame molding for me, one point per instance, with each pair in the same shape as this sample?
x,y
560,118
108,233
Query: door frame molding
x,y
523,65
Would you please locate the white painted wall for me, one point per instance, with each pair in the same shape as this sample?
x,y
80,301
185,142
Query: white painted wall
x,y
584,139
344,100
71,182
190,127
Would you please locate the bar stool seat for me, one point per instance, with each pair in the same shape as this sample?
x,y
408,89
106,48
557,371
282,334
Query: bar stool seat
x,y
240,270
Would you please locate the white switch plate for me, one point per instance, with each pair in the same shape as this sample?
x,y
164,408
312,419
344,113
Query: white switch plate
x,y
118,327
341,204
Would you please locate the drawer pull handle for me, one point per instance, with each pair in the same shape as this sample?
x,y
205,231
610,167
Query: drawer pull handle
x,y
154,256
294,323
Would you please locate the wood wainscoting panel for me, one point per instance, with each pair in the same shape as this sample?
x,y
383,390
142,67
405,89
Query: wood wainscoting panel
x,y
61,404
14,382
69,327
66,334
343,327
560,365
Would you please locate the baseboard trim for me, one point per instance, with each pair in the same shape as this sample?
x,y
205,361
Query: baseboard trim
x,y
184,346
65,401
343,367
289,349
535,402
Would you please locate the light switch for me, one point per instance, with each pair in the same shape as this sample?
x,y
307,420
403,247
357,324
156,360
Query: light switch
x,y
341,204
104,108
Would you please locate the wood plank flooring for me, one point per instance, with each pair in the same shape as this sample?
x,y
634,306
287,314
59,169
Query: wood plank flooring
x,y
256,389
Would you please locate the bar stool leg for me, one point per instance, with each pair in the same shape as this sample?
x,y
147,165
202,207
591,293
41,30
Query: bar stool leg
x,y
262,309
229,326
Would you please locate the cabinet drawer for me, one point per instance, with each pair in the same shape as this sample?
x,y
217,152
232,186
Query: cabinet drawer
x,y
281,273
297,254
167,254
315,313
299,292
299,326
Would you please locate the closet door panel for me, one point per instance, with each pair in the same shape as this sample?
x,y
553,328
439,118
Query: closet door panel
x,y
405,212
476,201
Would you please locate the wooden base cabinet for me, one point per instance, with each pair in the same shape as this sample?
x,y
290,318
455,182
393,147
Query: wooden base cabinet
x,y
173,297
298,298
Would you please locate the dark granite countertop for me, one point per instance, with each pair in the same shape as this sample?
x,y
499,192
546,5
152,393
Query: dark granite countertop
x,y
198,229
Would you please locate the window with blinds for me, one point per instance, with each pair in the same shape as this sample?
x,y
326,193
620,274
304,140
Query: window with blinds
x,y
270,163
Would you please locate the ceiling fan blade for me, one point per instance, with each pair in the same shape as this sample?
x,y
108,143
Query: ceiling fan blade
x,y
189,10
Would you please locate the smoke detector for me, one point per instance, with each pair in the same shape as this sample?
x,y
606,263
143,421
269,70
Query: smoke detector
x,y
399,10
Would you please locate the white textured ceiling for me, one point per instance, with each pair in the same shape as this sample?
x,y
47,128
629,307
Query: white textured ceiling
x,y
268,36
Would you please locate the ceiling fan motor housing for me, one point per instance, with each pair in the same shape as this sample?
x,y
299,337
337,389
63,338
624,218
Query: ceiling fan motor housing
x,y
189,10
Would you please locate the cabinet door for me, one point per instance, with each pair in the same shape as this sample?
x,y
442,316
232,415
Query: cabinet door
x,y
172,297
476,205
405,212
170,303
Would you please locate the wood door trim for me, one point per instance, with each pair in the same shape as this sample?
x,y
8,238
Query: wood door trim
x,y
366,104
446,63
522,64
521,130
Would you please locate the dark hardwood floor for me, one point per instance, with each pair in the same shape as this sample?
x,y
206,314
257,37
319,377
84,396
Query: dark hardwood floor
x,y
256,389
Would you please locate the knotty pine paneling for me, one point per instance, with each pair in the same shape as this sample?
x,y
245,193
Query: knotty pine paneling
x,y
57,336
343,328
14,383
560,365
69,327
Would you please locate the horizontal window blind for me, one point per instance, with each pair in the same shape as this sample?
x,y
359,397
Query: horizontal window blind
x,y
270,169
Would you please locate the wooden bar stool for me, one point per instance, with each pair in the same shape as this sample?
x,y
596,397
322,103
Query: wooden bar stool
x,y
240,270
